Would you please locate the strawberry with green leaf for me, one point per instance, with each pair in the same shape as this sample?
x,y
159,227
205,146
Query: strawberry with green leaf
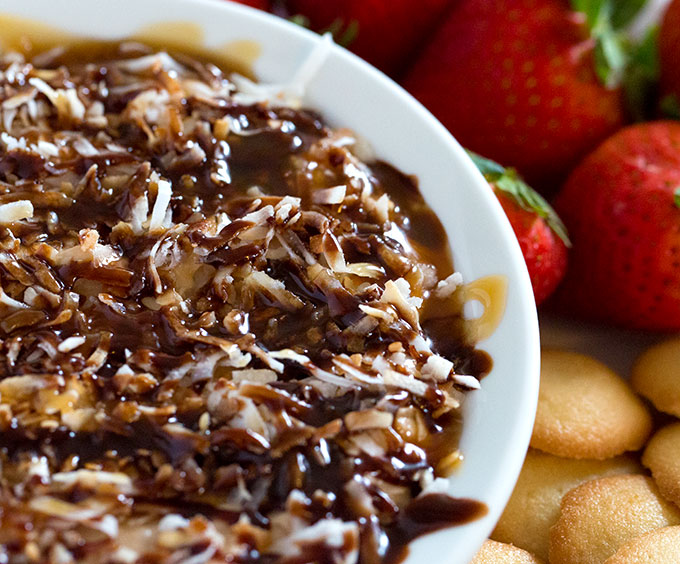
x,y
622,208
540,232
534,83
384,32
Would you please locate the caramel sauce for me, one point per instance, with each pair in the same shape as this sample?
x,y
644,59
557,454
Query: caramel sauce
x,y
263,159
425,232
32,37
492,293
184,37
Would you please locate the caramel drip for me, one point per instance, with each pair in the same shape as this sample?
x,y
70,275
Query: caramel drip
x,y
492,293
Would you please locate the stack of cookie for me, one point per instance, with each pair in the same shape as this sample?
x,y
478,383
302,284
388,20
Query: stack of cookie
x,y
585,495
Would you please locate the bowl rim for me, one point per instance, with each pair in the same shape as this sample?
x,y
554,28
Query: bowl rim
x,y
520,321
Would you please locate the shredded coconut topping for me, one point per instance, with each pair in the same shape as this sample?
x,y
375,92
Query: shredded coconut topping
x,y
219,343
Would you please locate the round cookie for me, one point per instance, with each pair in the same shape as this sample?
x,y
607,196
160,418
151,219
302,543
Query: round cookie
x,y
661,457
598,517
585,410
493,552
656,376
661,546
535,503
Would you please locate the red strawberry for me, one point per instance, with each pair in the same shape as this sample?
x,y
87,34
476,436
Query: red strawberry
x,y
669,50
260,4
621,206
386,32
516,80
540,232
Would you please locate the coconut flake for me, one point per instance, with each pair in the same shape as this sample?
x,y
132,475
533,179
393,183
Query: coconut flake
x,y
291,92
393,378
160,206
330,378
437,485
124,555
437,368
349,369
255,375
8,116
39,468
108,525
54,507
149,108
91,479
398,293
15,211
259,216
267,358
11,302
171,522
139,212
65,100
71,343
368,419
155,62
286,208
388,316
83,146
89,250
365,270
274,288
332,252
19,99
202,557
421,344
381,208
467,381
289,354
12,143
330,196
449,285
46,149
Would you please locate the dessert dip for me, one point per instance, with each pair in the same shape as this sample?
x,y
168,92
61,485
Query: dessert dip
x,y
225,337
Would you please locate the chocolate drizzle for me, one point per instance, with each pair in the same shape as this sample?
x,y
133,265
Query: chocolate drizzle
x,y
212,308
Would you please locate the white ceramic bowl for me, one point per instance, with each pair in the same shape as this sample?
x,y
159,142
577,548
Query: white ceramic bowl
x,y
349,92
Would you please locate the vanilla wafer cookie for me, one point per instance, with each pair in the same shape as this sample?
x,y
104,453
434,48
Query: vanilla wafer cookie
x,y
535,503
656,376
661,546
598,517
493,552
585,410
662,457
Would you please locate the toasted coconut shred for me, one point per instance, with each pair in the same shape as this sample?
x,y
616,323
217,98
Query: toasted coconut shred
x,y
225,338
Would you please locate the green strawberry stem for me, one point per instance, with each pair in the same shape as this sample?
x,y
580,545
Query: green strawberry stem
x,y
624,12
641,80
606,19
508,181
299,19
343,33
